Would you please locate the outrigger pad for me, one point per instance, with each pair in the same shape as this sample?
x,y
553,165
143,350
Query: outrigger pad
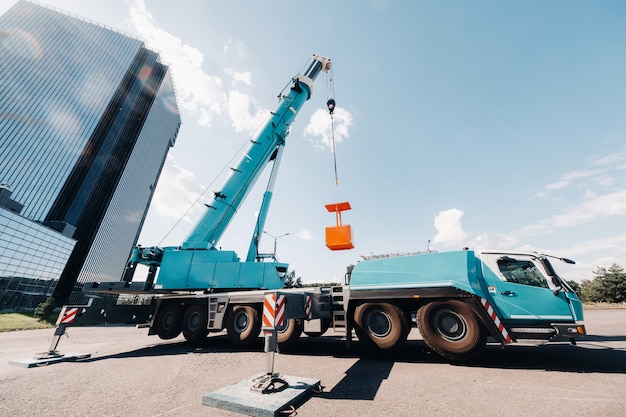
x,y
239,398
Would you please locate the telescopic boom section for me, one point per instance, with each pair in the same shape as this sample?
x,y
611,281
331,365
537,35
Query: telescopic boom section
x,y
263,146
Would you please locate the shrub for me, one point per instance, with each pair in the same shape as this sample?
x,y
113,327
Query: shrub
x,y
44,309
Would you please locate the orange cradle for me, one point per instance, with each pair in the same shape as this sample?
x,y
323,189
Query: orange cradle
x,y
339,237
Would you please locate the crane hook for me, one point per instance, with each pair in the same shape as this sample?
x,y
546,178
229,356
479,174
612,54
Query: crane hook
x,y
331,105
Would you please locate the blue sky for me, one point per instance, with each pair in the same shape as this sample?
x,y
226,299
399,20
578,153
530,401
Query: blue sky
x,y
483,124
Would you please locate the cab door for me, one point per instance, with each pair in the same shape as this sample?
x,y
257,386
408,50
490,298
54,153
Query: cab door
x,y
521,289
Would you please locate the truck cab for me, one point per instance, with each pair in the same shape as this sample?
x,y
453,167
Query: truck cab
x,y
528,294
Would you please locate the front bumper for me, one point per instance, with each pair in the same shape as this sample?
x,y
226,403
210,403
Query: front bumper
x,y
568,331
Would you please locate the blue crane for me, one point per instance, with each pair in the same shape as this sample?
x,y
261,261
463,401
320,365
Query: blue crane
x,y
198,263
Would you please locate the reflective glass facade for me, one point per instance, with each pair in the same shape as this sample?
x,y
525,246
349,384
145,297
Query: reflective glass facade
x,y
87,116
57,76
32,258
118,231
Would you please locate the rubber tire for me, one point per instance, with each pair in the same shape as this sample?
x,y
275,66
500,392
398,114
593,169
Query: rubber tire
x,y
194,323
288,334
167,322
464,338
325,325
243,333
381,327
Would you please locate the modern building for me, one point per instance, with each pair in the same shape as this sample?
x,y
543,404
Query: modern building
x,y
32,256
87,117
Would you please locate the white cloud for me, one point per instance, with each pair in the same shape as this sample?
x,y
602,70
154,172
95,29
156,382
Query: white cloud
x,y
593,206
567,179
240,77
603,175
616,159
199,93
240,109
450,234
602,252
320,128
602,246
449,229
597,252
305,234
599,194
486,241
607,205
176,193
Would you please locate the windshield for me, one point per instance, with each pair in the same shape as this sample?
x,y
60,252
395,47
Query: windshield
x,y
523,272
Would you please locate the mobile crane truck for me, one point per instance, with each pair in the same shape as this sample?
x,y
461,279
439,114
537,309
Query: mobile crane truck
x,y
459,298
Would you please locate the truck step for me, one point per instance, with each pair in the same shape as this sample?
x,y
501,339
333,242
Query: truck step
x,y
339,297
536,333
542,330
216,314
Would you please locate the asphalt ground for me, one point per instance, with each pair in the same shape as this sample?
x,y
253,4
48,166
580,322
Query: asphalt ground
x,y
132,374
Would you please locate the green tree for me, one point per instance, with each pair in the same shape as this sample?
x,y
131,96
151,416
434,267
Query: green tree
x,y
608,286
44,309
575,286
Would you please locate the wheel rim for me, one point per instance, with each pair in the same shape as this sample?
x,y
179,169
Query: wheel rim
x,y
169,321
283,327
450,325
193,323
241,322
378,323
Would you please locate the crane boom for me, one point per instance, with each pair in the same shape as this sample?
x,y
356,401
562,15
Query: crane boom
x,y
260,151
197,263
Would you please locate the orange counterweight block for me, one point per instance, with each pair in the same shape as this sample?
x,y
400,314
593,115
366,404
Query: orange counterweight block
x,y
339,237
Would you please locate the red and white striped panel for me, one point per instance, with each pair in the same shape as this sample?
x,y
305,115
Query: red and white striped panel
x,y
67,315
281,302
307,307
496,320
269,310
273,310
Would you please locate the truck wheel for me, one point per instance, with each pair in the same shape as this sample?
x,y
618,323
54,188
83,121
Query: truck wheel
x,y
324,326
195,323
288,334
243,325
451,329
381,327
167,322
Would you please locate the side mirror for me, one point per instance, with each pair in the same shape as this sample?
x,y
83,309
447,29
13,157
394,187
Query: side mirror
x,y
346,278
558,285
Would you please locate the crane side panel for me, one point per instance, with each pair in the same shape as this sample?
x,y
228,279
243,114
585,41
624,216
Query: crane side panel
x,y
174,270
421,270
226,275
251,274
201,274
271,278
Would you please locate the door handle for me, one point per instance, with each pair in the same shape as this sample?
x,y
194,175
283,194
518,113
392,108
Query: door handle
x,y
508,293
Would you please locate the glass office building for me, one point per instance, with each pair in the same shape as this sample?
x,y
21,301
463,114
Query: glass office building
x,y
32,257
87,116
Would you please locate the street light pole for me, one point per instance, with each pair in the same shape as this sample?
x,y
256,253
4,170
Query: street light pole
x,y
275,239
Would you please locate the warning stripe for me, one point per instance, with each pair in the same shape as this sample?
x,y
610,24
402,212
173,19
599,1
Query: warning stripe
x,y
269,310
280,310
273,310
496,320
68,315
307,307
